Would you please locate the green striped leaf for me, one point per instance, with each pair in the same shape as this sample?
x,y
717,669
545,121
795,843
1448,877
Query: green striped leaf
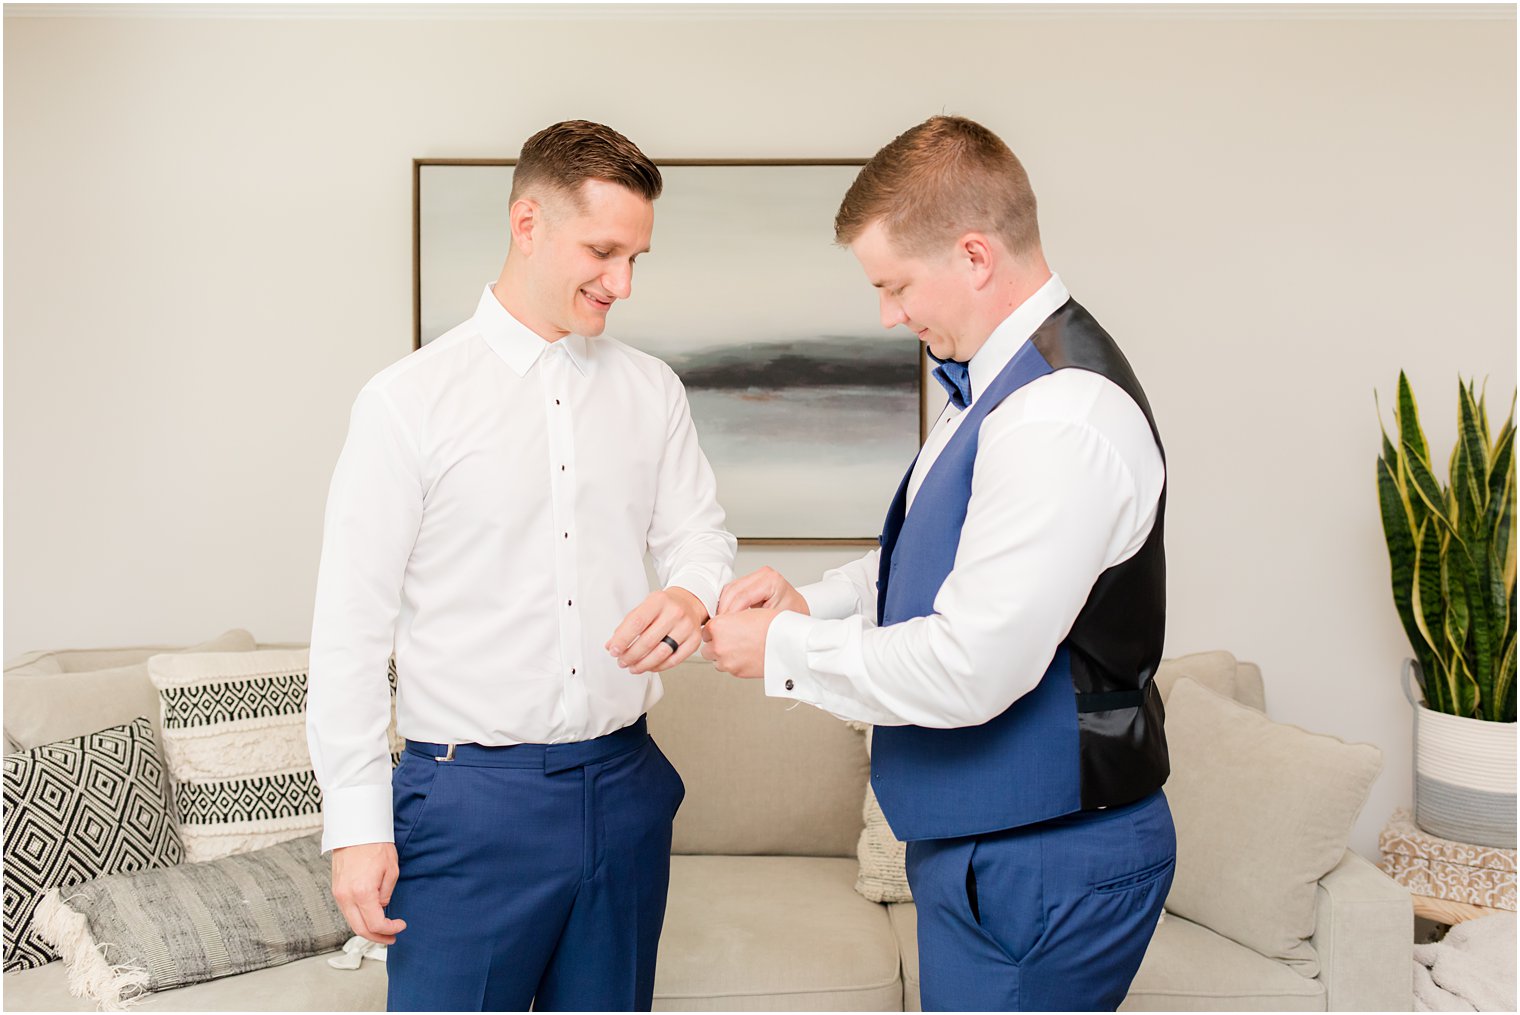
x,y
1504,687
1422,481
1499,519
1399,535
1408,416
1488,442
1481,639
1472,483
1430,612
1464,688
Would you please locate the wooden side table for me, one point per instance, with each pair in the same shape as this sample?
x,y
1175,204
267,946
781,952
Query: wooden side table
x,y
1449,881
1448,912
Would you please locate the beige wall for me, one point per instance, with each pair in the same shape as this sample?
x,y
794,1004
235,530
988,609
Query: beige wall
x,y
207,252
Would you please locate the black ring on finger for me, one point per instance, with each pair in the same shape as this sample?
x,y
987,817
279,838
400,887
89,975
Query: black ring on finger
x,y
675,646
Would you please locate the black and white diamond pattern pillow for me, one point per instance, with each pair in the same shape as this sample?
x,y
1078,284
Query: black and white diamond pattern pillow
x,y
75,810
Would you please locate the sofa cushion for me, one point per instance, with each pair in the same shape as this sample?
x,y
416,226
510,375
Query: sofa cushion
x,y
235,741
1263,811
1189,967
1219,671
54,695
774,933
1186,968
904,919
209,920
75,810
304,985
83,660
763,776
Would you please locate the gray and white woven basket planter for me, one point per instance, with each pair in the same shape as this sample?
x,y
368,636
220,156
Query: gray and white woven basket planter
x,y
1464,774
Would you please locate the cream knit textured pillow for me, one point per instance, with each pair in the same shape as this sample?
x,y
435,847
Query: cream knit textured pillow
x,y
882,877
235,742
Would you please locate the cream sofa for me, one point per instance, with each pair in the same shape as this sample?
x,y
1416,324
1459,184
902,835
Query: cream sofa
x,y
763,914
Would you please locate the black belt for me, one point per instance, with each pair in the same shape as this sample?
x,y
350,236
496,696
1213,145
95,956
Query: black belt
x,y
549,757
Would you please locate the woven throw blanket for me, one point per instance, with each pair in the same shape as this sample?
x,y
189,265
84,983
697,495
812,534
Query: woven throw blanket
x,y
126,935
1471,969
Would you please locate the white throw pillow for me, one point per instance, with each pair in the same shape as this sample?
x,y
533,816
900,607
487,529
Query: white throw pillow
x,y
1263,811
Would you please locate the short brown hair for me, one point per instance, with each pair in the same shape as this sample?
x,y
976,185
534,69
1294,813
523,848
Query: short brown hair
x,y
937,181
565,155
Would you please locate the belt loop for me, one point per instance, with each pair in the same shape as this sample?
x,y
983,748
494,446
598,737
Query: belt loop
x,y
445,757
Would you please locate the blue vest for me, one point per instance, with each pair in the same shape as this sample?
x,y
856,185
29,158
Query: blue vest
x,y
1089,735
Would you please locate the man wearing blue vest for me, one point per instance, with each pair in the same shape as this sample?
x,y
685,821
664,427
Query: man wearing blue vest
x,y
1004,637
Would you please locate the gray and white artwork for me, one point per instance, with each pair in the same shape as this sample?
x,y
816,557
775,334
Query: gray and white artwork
x,y
806,407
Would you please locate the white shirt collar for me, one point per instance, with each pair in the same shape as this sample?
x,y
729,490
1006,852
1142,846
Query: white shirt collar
x,y
1007,338
517,344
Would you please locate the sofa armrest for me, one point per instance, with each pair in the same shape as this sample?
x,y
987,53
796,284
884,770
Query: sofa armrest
x,y
1364,936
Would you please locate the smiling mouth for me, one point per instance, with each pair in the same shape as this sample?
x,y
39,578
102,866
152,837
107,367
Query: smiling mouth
x,y
596,301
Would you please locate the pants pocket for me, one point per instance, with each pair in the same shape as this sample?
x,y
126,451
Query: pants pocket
x,y
1005,893
678,785
412,784
1138,879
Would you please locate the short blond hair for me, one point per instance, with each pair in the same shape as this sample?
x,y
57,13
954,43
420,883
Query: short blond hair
x,y
563,156
938,181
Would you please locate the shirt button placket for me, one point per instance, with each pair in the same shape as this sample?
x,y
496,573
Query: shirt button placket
x,y
562,483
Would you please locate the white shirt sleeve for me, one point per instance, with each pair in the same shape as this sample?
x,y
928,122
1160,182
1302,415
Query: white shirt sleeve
x,y
1053,504
845,591
687,541
374,510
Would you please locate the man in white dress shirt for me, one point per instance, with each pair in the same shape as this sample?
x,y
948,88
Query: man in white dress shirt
x,y
487,522
1004,636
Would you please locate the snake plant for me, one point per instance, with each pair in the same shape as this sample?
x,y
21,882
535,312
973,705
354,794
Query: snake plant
x,y
1451,549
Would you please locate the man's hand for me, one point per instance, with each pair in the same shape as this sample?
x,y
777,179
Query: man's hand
x,y
638,641
362,880
764,587
735,642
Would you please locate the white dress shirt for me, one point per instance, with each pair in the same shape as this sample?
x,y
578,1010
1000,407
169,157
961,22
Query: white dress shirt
x,y
488,519
1065,485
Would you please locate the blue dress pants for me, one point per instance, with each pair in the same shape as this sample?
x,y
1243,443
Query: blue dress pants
x,y
1048,917
531,874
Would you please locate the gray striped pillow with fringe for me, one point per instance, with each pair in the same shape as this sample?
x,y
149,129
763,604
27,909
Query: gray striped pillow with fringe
x,y
126,935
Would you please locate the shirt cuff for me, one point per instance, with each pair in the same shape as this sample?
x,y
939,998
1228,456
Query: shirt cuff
x,y
831,600
356,815
786,656
698,586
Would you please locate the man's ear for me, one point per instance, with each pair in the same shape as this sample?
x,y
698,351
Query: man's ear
x,y
978,256
526,219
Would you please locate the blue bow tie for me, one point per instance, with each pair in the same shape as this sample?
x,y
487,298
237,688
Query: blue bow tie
x,y
955,377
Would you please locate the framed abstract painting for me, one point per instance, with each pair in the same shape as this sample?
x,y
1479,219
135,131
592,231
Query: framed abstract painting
x,y
808,411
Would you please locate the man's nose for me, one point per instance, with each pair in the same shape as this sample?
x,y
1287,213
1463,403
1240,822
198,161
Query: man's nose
x,y
891,312
619,281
